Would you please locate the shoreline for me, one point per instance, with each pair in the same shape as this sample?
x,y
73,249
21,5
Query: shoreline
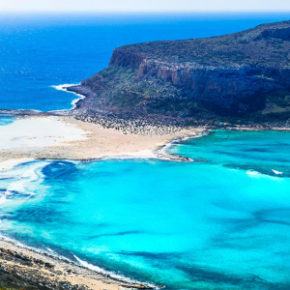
x,y
117,145
34,267
21,264
53,271
70,139
63,87
66,138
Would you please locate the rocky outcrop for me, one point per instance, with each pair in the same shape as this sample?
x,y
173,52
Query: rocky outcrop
x,y
232,75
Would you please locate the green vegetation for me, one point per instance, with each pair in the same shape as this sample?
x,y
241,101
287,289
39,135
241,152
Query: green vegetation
x,y
237,77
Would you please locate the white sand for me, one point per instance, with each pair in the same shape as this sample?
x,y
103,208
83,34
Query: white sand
x,y
38,132
34,138
10,163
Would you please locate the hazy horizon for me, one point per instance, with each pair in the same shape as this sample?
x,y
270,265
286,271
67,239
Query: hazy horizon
x,y
148,6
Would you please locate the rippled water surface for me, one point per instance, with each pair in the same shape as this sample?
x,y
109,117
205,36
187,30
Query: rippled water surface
x,y
222,221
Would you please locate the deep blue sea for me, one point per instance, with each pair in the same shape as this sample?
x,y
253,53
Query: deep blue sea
x,y
221,222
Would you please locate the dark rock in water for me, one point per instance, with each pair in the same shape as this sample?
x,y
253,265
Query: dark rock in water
x,y
235,75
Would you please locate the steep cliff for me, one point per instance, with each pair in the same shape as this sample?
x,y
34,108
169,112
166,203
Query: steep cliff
x,y
235,75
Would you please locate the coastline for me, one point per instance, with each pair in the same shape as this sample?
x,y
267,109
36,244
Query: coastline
x,y
63,87
66,138
23,266
72,139
34,269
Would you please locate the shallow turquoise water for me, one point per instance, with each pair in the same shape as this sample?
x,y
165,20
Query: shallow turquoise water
x,y
221,222
265,151
5,120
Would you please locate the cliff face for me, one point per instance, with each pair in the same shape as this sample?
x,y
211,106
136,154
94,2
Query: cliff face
x,y
231,75
226,90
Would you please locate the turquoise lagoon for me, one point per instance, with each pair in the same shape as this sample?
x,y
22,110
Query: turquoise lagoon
x,y
222,221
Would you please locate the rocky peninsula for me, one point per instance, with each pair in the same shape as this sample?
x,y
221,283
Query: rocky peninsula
x,y
240,78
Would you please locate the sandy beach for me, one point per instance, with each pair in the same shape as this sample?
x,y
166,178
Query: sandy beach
x,y
34,138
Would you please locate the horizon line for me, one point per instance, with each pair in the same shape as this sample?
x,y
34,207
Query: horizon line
x,y
143,12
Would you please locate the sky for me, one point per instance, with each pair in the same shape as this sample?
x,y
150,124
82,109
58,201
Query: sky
x,y
143,5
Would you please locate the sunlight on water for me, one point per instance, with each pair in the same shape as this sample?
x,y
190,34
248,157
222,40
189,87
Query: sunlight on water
x,y
220,222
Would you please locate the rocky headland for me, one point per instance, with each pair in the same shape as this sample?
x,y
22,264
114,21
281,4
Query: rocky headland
x,y
240,78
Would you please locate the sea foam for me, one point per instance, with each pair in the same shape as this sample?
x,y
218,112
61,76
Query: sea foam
x,y
64,87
